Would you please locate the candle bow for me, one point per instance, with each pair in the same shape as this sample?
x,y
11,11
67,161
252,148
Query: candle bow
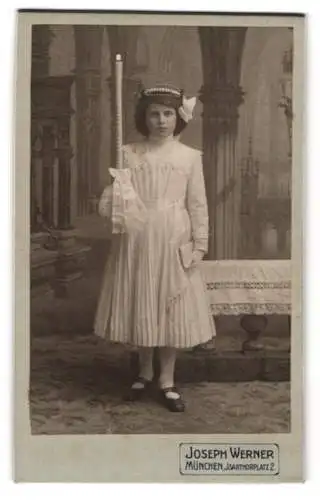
x,y
186,110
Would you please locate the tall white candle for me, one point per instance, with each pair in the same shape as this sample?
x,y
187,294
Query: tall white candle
x,y
119,138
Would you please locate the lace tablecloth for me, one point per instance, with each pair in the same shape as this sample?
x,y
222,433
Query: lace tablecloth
x,y
248,287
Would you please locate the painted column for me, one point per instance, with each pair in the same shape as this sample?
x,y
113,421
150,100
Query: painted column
x,y
88,45
221,96
41,39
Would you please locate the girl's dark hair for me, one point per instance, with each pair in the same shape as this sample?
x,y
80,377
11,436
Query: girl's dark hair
x,y
141,111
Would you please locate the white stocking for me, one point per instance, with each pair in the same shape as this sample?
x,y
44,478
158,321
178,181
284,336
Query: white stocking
x,y
145,365
167,364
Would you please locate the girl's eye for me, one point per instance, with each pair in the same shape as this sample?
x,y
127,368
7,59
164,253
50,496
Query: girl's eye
x,y
157,114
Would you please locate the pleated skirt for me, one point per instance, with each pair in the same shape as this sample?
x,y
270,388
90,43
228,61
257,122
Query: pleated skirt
x,y
147,298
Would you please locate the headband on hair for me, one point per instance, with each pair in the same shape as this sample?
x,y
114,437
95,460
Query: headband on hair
x,y
162,90
185,110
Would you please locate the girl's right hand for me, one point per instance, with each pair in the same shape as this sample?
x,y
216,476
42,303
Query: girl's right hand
x,y
197,256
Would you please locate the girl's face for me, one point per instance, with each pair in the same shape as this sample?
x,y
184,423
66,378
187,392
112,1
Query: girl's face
x,y
161,120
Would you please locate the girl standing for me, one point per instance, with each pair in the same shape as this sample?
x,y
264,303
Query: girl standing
x,y
153,294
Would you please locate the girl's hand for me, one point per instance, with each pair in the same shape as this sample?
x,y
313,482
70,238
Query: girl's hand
x,y
197,257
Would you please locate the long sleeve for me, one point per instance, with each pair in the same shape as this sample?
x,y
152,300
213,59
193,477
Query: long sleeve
x,y
121,204
197,206
105,206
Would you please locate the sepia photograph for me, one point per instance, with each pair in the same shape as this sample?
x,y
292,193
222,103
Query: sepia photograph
x,y
160,229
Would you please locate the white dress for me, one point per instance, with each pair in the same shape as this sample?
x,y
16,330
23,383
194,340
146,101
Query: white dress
x,y
148,297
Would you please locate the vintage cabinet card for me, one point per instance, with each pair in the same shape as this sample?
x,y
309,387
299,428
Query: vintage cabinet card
x,y
158,179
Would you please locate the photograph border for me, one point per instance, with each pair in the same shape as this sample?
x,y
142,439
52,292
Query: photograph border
x,y
92,458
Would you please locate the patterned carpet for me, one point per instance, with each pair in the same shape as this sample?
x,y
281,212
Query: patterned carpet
x,y
77,385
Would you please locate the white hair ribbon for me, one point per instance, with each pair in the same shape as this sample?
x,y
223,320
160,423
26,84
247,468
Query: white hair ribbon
x,y
186,110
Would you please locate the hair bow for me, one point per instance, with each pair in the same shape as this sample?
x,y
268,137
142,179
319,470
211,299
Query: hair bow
x,y
186,110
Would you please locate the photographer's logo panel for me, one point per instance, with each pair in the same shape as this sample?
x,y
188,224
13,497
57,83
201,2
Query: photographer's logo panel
x,y
229,459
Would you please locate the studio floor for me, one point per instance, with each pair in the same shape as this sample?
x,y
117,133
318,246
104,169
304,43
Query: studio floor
x,y
77,387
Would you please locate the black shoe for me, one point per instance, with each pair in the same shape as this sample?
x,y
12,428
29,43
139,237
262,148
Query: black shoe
x,y
174,405
134,394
